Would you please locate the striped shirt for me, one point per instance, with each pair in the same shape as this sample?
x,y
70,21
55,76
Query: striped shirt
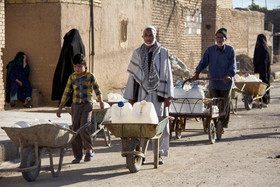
x,y
82,88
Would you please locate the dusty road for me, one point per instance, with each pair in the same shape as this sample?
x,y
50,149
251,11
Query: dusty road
x,y
246,156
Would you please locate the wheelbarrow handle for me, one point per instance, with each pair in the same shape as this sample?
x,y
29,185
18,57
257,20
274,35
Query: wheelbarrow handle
x,y
268,88
202,79
83,127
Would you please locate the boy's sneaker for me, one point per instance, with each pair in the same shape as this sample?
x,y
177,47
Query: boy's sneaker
x,y
88,156
77,161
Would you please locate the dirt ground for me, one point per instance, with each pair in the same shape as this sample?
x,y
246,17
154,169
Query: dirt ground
x,y
247,155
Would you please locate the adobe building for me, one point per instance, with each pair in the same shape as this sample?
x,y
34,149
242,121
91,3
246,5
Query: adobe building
x,y
243,26
272,23
185,27
2,45
37,28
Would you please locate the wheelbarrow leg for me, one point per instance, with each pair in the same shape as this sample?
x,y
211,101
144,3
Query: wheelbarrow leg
x,y
21,147
107,136
56,173
145,146
156,153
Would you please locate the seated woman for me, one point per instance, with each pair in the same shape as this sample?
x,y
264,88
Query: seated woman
x,y
18,86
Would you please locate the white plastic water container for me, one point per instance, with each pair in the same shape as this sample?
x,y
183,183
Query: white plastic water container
x,y
144,112
96,105
41,121
179,106
114,97
22,124
239,78
121,113
65,125
251,78
195,96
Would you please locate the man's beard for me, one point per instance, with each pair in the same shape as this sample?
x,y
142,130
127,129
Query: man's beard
x,y
220,44
150,43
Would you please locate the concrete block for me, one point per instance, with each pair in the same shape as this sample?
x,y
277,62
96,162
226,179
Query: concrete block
x,y
8,151
277,75
36,98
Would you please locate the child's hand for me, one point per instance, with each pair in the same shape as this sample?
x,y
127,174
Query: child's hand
x,y
101,105
58,112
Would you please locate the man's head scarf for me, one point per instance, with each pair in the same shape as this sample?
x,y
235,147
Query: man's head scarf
x,y
153,29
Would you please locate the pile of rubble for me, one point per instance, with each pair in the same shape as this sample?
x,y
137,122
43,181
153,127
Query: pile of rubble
x,y
245,64
180,71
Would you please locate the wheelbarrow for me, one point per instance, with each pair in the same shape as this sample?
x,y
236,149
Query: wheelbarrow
x,y
212,111
34,141
135,139
252,91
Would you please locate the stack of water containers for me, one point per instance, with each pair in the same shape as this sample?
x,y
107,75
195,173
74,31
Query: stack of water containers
x,y
188,101
141,112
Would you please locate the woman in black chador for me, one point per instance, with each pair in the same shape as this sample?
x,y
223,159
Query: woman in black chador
x,y
72,45
261,63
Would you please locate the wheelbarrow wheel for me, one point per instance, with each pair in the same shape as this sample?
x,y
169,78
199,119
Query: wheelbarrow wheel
x,y
219,130
212,132
178,134
178,127
133,162
232,107
29,160
248,101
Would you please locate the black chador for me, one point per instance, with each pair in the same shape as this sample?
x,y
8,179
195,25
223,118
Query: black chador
x,y
72,45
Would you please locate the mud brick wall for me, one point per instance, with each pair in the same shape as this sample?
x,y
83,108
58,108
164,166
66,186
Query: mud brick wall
x,y
179,28
242,26
2,45
243,29
37,29
272,23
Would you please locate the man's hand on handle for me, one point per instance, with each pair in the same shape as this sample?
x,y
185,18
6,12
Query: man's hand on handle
x,y
196,76
227,79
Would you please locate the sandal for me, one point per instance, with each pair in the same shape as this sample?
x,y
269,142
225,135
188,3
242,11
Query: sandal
x,y
88,156
27,106
77,161
160,161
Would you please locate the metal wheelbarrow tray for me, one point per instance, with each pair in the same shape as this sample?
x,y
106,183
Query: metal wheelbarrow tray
x,y
45,135
135,138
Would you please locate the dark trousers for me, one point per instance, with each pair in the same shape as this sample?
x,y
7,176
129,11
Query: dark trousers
x,y
222,94
81,114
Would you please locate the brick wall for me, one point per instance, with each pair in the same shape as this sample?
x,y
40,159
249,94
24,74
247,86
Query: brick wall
x,y
208,25
2,45
96,2
224,3
242,26
178,25
272,17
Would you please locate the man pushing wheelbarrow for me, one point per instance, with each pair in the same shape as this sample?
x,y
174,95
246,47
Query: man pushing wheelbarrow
x,y
221,62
